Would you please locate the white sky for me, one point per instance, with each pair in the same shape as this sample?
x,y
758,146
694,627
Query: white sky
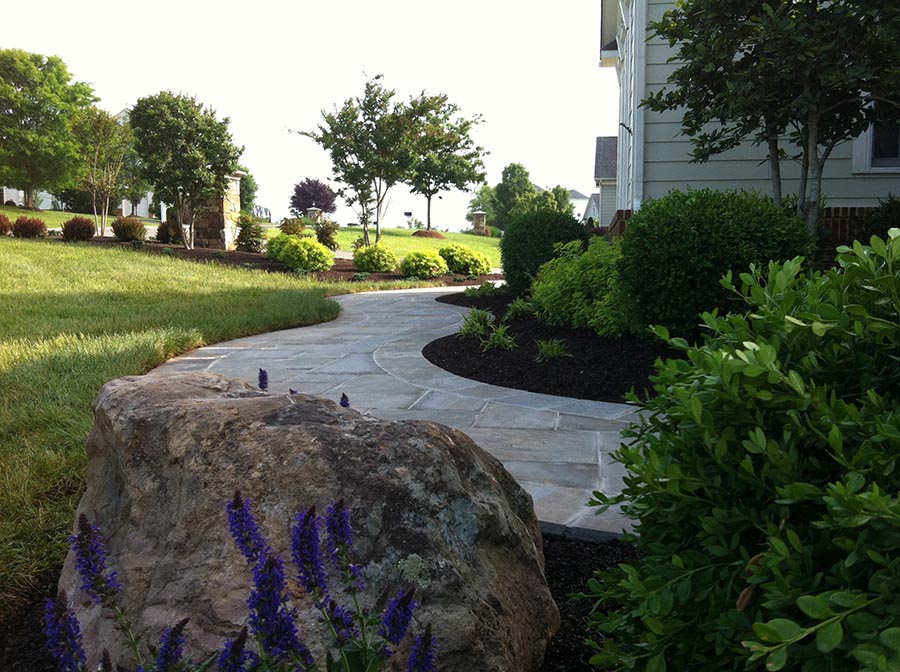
x,y
529,68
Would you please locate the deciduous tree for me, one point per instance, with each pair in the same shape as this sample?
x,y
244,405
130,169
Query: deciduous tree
x,y
135,185
38,101
187,152
514,191
312,193
249,187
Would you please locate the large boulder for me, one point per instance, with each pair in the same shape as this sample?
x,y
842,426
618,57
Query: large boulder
x,y
428,505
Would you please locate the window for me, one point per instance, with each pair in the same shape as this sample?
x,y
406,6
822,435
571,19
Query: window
x,y
886,144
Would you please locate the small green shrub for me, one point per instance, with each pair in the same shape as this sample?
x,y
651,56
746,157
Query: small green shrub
x,y
137,244
78,228
529,241
577,287
274,245
423,264
129,228
168,251
295,226
484,289
326,233
553,348
375,259
882,219
219,254
251,235
676,249
359,277
517,309
763,482
476,324
499,339
29,227
305,255
5,225
358,244
464,260
169,232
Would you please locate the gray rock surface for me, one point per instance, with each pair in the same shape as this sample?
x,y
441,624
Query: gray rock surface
x,y
429,506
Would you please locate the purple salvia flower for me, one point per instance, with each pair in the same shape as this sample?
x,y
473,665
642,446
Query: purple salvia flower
x,y
271,621
397,617
263,379
341,620
339,530
90,560
345,400
170,647
63,635
235,657
424,653
306,549
244,528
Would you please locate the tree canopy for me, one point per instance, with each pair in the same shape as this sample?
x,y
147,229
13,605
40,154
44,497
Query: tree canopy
x,y
514,191
249,187
312,193
805,74
38,101
187,153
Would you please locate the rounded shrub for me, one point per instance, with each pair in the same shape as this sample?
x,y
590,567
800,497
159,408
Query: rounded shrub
x,y
763,480
29,227
274,245
305,255
423,264
5,225
577,288
168,232
251,235
464,260
375,259
129,228
78,228
529,240
677,248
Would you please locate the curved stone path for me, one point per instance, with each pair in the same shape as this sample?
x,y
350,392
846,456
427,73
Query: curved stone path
x,y
557,448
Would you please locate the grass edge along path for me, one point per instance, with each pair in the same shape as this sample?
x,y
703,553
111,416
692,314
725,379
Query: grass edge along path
x,y
402,242
73,317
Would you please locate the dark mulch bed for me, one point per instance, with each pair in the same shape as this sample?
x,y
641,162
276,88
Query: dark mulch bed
x,y
569,563
600,369
342,271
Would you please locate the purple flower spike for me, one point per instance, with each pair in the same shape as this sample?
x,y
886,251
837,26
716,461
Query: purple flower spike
x,y
306,549
337,525
244,528
90,560
263,379
397,617
63,635
170,647
423,656
342,621
234,656
345,400
271,621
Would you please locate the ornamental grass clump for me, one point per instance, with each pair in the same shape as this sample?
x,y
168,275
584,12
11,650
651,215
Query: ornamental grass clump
x,y
476,324
270,642
763,482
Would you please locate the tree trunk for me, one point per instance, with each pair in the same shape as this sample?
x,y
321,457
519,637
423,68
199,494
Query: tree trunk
x,y
105,214
97,227
811,178
775,165
29,198
428,219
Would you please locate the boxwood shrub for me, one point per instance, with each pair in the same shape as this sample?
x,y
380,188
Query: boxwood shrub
x,y
423,264
464,260
29,227
305,255
78,228
528,242
374,259
676,248
764,483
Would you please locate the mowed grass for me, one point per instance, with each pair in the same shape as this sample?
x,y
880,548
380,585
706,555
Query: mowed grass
x,y
54,219
72,317
402,242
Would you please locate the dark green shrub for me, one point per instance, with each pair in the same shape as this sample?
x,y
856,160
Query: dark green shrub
x,y
464,260
676,249
129,228
251,235
423,264
5,225
78,228
528,242
886,216
326,233
305,255
764,481
375,259
29,227
576,287
168,232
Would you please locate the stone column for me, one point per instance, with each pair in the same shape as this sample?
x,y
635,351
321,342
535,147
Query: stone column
x,y
314,214
479,223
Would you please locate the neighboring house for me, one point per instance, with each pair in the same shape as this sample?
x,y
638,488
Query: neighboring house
x,y
654,157
606,169
579,204
592,210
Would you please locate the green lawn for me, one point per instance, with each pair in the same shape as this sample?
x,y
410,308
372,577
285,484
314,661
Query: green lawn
x,y
54,219
73,316
402,242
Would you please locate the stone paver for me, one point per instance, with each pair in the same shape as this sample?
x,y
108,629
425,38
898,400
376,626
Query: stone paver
x,y
557,448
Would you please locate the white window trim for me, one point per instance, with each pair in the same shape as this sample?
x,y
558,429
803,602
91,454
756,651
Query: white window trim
x,y
862,157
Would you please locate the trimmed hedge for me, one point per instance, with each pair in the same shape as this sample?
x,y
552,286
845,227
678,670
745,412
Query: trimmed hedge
x,y
305,255
464,260
375,259
423,264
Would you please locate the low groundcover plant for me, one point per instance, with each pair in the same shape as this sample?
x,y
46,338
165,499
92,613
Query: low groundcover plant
x,y
362,641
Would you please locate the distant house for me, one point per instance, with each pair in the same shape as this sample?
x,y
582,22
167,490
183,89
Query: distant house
x,y
603,207
654,157
579,203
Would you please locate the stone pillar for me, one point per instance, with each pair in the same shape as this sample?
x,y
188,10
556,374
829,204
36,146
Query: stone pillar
x,y
479,223
215,225
314,214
